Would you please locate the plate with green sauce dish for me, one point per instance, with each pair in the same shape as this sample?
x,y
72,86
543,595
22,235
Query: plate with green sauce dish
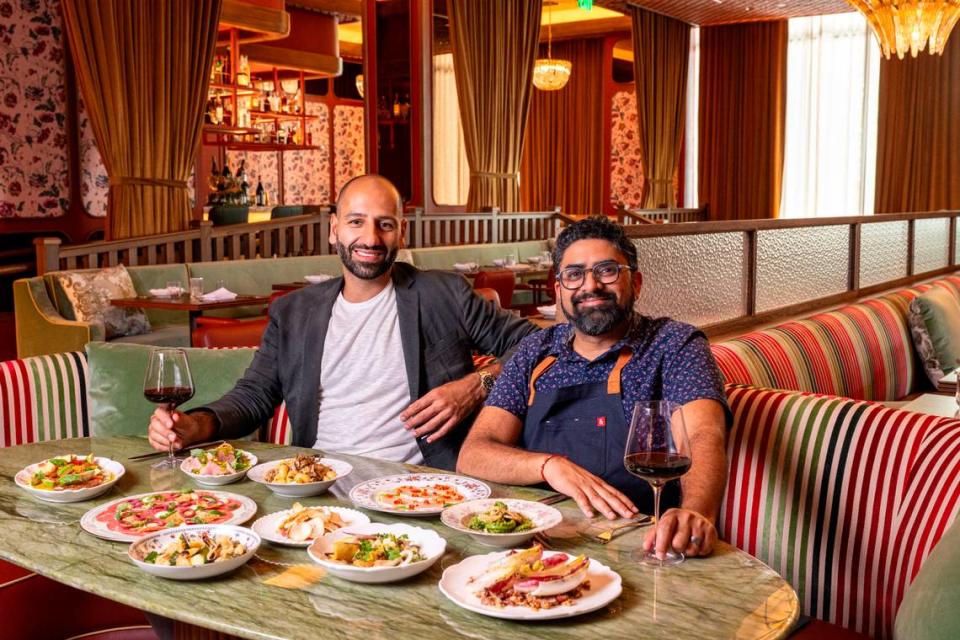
x,y
501,522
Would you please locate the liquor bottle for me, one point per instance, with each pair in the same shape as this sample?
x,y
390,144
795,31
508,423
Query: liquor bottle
x,y
243,74
396,106
216,74
281,135
227,175
208,112
405,107
261,194
383,112
255,102
218,111
244,185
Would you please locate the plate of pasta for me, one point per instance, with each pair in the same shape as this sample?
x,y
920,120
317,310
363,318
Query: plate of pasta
x,y
300,476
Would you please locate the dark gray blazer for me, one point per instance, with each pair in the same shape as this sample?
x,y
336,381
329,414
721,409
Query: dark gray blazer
x,y
441,321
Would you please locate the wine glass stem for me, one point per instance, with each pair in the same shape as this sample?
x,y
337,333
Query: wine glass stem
x,y
656,504
171,458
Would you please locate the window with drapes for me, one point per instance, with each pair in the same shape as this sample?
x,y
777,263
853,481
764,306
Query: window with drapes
x,y
690,139
833,67
451,172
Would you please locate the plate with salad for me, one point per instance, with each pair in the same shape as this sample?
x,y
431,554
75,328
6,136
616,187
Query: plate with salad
x,y
375,553
194,552
501,522
132,517
220,465
69,477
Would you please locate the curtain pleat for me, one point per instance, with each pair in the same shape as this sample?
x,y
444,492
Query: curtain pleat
x,y
563,160
918,139
661,48
743,70
143,69
494,45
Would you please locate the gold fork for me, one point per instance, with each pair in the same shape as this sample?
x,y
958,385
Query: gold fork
x,y
606,536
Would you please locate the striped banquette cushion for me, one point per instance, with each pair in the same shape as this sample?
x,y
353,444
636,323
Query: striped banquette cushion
x,y
862,351
44,398
845,499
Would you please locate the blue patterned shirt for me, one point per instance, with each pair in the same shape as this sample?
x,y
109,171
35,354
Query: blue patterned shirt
x,y
671,361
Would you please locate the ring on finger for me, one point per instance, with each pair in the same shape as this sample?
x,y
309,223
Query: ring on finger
x,y
695,540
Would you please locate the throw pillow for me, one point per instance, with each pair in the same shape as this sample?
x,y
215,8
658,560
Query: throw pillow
x,y
89,294
115,383
935,326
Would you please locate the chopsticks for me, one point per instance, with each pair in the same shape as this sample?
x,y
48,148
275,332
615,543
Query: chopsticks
x,y
198,445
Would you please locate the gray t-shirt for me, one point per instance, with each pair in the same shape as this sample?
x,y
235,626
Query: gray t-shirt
x,y
363,382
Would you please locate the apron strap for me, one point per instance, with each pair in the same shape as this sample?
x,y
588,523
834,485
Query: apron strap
x,y
613,382
538,371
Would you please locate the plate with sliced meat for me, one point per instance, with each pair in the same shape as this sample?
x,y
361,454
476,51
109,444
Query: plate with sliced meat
x,y
132,517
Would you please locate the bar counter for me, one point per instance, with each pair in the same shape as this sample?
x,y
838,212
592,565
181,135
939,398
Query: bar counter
x,y
730,594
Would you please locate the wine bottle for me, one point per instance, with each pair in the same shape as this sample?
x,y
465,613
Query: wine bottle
x,y
396,106
218,110
261,194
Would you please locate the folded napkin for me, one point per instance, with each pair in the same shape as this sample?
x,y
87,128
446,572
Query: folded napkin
x,y
166,292
499,262
519,267
317,279
220,295
549,311
465,266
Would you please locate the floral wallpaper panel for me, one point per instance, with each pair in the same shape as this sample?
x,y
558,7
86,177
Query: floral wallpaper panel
x,y
306,174
34,175
348,146
626,169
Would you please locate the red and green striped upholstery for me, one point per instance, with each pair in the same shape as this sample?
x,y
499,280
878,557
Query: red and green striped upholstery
x,y
845,499
44,398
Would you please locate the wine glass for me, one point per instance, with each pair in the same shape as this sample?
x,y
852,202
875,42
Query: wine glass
x,y
658,451
169,384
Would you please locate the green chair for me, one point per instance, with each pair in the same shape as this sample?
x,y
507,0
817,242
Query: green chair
x,y
221,215
286,211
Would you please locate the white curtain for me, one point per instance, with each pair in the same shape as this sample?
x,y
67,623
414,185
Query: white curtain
x,y
451,173
691,139
833,79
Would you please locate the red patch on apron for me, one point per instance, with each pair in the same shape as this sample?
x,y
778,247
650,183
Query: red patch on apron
x,y
601,421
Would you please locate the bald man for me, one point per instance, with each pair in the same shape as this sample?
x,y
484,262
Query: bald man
x,y
375,363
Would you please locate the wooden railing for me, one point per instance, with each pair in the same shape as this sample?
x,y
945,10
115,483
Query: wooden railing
x,y
654,216
738,274
299,235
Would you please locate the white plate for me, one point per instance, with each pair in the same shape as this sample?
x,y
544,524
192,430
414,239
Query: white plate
x,y
543,516
549,311
70,495
317,279
216,481
157,541
519,267
92,525
605,586
267,527
302,490
431,544
365,494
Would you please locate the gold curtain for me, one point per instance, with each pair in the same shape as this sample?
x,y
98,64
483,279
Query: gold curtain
x,y
563,159
494,45
143,69
661,48
918,139
743,86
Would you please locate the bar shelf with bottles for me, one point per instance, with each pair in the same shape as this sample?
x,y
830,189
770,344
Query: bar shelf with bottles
x,y
229,189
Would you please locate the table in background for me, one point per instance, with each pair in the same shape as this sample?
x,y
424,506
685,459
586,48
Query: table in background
x,y
948,383
730,594
288,286
933,404
193,308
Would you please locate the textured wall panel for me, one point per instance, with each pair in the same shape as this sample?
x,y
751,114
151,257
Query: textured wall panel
x,y
626,163
696,279
931,244
348,149
796,265
306,174
883,252
956,245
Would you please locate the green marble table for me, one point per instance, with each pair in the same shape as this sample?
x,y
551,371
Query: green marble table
x,y
729,595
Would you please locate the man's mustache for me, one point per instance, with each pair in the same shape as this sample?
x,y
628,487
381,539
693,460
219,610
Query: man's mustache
x,y
367,247
577,299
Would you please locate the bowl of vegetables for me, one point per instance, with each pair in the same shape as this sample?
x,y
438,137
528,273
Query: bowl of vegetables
x,y
374,553
194,552
218,466
501,522
69,477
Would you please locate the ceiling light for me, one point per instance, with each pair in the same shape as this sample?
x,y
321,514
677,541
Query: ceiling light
x,y
551,74
902,26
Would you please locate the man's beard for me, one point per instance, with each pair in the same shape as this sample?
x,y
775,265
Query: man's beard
x,y
366,270
596,321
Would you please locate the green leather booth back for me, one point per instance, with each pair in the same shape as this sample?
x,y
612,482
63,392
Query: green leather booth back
x,y
929,609
115,385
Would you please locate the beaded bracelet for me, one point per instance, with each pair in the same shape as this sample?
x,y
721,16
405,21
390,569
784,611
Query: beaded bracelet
x,y
546,460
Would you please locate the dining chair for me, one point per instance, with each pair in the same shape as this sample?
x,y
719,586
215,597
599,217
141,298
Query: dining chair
x,y
286,211
502,281
489,294
223,214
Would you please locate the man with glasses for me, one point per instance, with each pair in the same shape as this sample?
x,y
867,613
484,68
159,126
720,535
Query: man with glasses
x,y
559,413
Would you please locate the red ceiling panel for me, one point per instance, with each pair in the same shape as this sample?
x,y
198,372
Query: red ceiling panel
x,y
709,12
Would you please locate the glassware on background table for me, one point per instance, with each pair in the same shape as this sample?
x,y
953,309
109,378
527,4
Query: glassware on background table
x,y
196,289
511,260
169,384
657,451
175,288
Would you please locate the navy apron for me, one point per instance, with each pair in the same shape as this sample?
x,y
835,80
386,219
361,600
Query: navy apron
x,y
585,423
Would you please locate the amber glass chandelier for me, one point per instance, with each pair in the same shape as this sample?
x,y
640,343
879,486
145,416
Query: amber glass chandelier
x,y
910,25
550,74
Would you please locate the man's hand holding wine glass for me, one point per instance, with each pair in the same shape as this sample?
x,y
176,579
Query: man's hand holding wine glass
x,y
172,429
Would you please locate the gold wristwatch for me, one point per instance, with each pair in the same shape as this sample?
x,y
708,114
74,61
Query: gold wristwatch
x,y
486,381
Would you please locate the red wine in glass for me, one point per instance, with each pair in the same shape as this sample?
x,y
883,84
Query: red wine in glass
x,y
657,451
169,384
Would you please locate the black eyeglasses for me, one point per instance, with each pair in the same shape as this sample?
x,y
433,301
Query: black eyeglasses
x,y
603,272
